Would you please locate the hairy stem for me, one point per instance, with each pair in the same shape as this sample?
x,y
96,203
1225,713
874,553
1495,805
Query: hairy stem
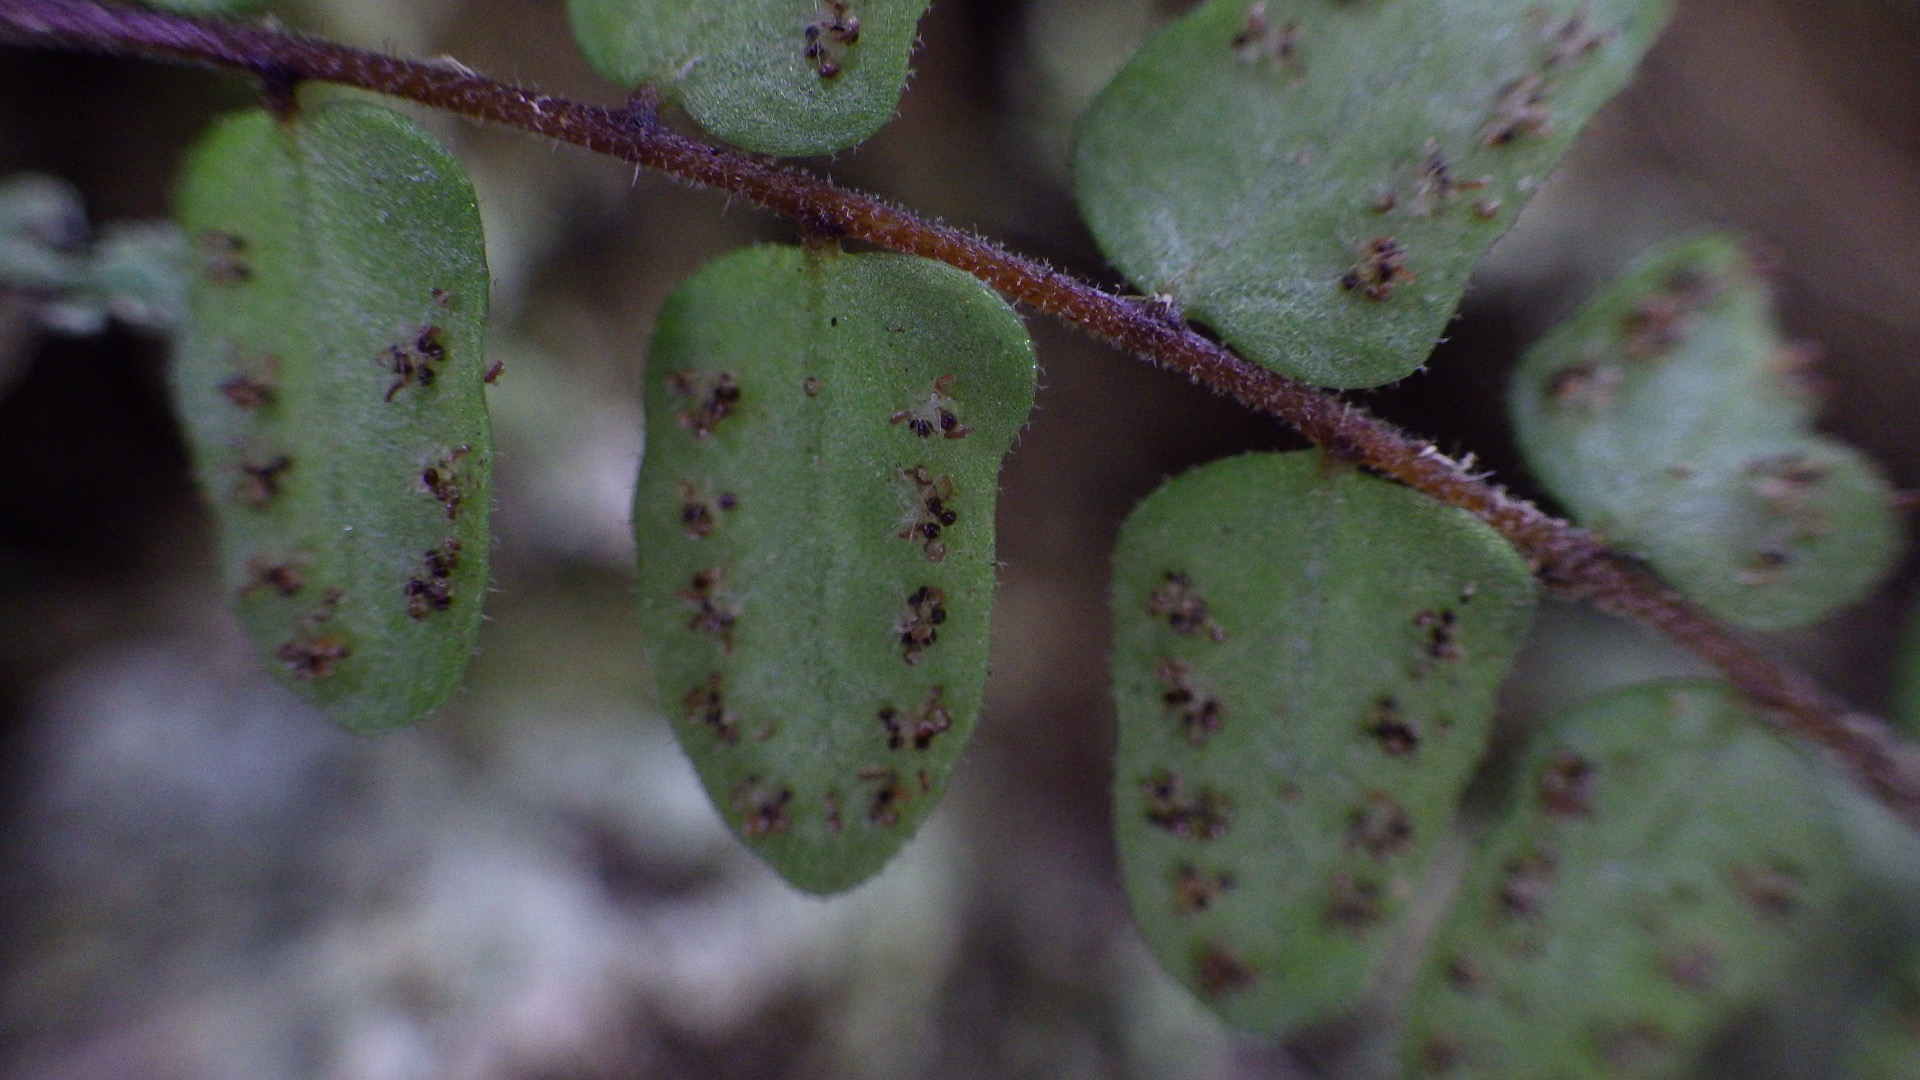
x,y
1567,558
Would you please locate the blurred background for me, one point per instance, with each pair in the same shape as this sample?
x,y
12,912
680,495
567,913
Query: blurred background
x,y
201,879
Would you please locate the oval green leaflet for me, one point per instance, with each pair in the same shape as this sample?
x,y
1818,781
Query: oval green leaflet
x,y
815,529
1670,415
1305,663
331,384
776,76
1665,857
1315,179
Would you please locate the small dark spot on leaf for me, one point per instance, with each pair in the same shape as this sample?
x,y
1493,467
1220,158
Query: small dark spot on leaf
x,y
930,512
255,384
887,797
1196,890
1379,826
1520,111
1573,37
1203,815
1692,967
699,514
1771,890
714,399
1197,713
313,656
280,575
1528,883
223,256
930,720
1185,610
413,364
936,416
1442,627
1259,40
828,38
442,481
1397,734
260,477
1584,386
763,808
1465,975
833,811
1381,269
1220,973
1566,785
812,386
713,612
917,627
432,590
707,704
1354,903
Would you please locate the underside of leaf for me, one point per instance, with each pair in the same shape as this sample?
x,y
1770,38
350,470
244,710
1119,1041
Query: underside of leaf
x,y
1305,663
777,76
815,526
331,385
1665,861
1315,179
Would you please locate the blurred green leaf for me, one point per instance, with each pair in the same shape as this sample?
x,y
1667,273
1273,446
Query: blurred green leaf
x,y
1888,1038
1669,415
815,528
1652,884
331,385
1305,665
777,76
1315,179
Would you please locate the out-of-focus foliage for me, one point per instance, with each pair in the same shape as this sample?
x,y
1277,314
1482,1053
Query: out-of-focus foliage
x,y
1305,667
1664,864
1670,416
135,272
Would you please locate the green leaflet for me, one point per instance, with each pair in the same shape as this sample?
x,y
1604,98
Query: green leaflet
x,y
815,527
1315,179
1305,663
1648,887
1669,415
777,76
330,381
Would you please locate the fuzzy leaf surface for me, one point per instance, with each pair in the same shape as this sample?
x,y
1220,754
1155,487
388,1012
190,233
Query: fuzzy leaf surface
x,y
1649,885
787,77
1887,1042
1670,415
1305,665
815,528
330,382
1315,179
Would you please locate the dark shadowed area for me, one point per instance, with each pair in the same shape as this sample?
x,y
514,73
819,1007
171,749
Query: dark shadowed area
x,y
199,878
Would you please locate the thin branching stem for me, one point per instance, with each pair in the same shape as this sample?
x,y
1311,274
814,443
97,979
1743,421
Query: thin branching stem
x,y
1567,558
